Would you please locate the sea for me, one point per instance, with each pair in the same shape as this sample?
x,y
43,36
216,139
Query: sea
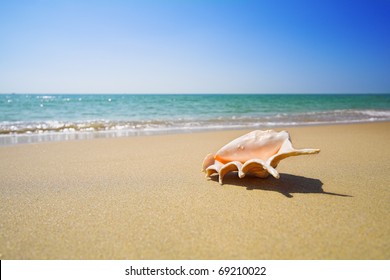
x,y
32,118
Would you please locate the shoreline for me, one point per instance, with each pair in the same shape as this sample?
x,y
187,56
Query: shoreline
x,y
145,198
7,140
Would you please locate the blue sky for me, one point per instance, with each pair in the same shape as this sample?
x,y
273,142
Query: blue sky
x,y
118,46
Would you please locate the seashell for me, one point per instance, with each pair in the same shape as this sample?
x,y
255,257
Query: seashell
x,y
257,153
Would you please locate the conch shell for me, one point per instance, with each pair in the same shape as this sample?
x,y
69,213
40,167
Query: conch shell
x,y
256,153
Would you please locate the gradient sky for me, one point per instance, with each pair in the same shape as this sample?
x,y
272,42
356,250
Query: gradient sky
x,y
145,46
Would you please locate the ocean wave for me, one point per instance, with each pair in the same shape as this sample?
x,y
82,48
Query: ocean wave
x,y
37,131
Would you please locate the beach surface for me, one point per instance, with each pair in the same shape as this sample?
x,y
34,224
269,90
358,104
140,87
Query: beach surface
x,y
146,198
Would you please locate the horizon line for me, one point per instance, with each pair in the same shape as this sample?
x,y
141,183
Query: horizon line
x,y
196,93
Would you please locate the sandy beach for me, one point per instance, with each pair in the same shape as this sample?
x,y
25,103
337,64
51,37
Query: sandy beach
x,y
145,198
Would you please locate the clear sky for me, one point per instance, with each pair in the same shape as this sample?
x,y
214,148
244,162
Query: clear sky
x,y
242,46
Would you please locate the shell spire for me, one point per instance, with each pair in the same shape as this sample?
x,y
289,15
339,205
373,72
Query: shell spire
x,y
257,153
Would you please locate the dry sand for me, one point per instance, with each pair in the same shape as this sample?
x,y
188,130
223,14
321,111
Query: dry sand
x,y
145,198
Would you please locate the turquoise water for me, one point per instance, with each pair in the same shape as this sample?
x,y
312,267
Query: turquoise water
x,y
47,117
